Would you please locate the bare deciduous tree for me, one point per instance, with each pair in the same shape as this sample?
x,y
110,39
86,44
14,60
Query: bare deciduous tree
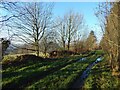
x,y
47,41
32,20
61,32
68,27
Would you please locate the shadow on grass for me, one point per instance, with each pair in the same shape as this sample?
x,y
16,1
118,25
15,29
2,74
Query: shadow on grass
x,y
101,77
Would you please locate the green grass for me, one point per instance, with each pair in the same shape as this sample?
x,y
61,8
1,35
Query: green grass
x,y
18,73
64,77
99,52
32,63
101,77
38,74
8,58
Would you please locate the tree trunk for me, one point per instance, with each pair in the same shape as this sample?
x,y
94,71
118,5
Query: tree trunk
x,y
37,51
45,51
68,44
37,48
64,45
69,39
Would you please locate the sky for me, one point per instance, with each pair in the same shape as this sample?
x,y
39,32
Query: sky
x,y
85,8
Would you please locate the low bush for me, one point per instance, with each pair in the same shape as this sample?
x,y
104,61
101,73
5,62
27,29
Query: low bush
x,y
8,58
61,53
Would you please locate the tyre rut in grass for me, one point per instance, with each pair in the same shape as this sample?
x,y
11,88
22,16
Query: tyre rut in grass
x,y
34,77
27,80
63,78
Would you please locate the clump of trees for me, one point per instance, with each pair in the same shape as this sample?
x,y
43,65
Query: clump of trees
x,y
110,43
33,25
91,41
69,35
86,44
69,27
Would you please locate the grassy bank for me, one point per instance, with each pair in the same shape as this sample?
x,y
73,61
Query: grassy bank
x,y
101,77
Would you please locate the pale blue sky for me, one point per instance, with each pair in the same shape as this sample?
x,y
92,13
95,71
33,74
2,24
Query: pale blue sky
x,y
86,8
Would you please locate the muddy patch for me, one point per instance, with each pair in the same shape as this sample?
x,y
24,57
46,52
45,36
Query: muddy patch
x,y
80,81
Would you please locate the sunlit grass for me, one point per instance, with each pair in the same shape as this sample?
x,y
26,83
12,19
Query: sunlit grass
x,y
101,77
63,77
10,74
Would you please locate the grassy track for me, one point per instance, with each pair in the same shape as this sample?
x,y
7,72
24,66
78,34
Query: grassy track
x,y
64,77
33,72
26,75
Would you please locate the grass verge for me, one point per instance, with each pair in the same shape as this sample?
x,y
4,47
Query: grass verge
x,y
101,77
